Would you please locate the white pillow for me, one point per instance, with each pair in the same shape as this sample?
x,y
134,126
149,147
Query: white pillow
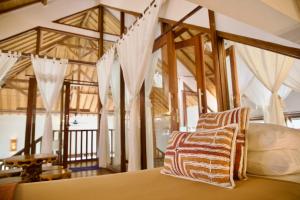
x,y
274,163
262,137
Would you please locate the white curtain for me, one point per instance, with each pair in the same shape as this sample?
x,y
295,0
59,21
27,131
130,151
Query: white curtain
x,y
103,71
50,76
270,69
115,90
293,80
134,52
7,61
149,81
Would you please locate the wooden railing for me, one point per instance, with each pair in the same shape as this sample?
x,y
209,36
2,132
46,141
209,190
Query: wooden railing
x,y
82,146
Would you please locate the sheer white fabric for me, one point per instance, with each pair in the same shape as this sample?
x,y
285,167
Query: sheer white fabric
x,y
270,69
149,118
293,80
7,61
104,70
134,52
50,76
115,90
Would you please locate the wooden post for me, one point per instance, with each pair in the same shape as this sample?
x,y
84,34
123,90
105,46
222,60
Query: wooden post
x,y
61,125
200,74
66,123
218,53
122,107
100,53
234,78
31,107
143,128
101,30
37,51
173,81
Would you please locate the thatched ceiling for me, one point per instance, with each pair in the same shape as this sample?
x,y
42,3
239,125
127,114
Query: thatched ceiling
x,y
84,99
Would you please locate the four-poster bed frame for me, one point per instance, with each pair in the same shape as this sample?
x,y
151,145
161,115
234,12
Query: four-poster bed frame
x,y
166,41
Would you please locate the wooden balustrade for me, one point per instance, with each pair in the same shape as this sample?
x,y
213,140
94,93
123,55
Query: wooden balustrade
x,y
82,146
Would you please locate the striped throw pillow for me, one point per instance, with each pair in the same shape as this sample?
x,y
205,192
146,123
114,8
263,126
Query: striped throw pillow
x,y
206,156
238,116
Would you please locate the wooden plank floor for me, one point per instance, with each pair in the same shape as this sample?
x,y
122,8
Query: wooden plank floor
x,y
86,173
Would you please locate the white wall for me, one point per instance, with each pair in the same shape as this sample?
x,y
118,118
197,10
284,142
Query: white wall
x,y
13,126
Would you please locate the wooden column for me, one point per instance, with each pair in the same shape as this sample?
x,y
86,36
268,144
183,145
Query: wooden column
x,y
218,53
122,107
200,74
31,107
100,53
66,123
143,128
173,81
101,30
61,125
37,51
234,78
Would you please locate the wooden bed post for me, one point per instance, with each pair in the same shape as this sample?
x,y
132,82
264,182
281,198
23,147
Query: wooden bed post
x,y
234,77
143,128
31,109
218,53
122,106
66,124
37,51
200,74
100,53
173,81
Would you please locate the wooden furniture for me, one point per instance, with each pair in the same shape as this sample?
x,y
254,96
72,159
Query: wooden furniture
x,y
31,165
10,173
52,167
55,174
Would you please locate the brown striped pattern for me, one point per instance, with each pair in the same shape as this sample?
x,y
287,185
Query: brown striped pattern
x,y
206,156
238,116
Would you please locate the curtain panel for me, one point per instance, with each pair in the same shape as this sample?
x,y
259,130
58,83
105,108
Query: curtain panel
x,y
149,81
49,74
134,51
271,70
7,61
292,80
104,66
115,90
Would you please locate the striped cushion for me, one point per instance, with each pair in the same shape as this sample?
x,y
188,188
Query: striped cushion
x,y
206,156
239,116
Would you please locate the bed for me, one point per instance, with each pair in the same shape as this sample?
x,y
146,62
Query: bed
x,y
150,184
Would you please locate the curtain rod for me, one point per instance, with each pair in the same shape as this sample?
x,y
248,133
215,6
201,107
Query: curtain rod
x,y
70,61
74,82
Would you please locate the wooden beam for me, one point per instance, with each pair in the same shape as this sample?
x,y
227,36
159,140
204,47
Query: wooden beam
x,y
200,74
122,105
161,40
66,123
277,48
31,106
218,61
173,81
185,43
234,78
270,46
